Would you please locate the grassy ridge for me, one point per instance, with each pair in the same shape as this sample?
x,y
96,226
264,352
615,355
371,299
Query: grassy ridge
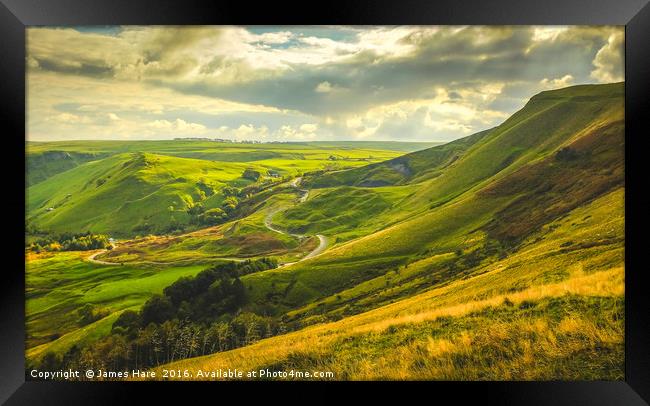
x,y
549,120
122,192
470,221
150,189
551,311
423,163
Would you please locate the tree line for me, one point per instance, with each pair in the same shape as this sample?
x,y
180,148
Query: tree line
x,y
70,242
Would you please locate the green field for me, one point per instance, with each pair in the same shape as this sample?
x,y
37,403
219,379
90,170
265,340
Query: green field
x,y
495,256
59,285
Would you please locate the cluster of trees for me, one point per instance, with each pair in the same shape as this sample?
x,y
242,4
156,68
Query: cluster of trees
x,y
156,344
251,174
201,216
90,314
71,242
210,294
194,316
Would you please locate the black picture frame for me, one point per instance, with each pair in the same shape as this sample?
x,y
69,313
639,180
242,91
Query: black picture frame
x,y
16,15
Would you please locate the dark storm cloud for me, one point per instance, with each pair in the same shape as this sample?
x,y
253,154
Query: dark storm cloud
x,y
82,69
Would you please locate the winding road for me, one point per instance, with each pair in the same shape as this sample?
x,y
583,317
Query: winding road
x,y
321,247
92,259
322,240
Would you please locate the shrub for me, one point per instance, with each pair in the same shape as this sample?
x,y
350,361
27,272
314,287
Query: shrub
x,y
251,174
71,242
230,191
128,320
50,362
229,204
213,216
89,314
566,154
156,310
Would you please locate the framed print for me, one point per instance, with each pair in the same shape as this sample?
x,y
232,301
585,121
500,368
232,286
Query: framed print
x,y
379,194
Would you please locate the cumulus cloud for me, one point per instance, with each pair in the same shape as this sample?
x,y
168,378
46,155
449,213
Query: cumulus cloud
x,y
179,126
324,87
305,132
243,132
445,115
68,118
556,83
609,60
426,83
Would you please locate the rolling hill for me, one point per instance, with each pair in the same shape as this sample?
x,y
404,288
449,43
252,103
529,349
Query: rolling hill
x,y
552,311
496,256
46,159
128,194
403,169
479,205
128,189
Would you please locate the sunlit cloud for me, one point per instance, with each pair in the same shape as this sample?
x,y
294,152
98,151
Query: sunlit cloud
x,y
556,83
302,83
608,59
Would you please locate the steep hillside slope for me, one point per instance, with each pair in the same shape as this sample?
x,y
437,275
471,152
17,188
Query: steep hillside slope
x,y
45,164
548,121
128,194
552,310
399,170
562,150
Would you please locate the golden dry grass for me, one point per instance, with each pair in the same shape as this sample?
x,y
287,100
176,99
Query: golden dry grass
x,y
516,343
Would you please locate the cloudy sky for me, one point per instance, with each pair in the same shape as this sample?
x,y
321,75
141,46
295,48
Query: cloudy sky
x,y
301,83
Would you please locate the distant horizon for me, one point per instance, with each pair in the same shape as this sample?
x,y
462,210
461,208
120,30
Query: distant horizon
x,y
240,141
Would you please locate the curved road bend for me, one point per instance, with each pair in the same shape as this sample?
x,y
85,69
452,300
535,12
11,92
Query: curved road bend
x,y
322,240
92,259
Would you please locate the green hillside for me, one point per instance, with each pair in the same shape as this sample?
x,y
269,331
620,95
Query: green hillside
x,y
508,264
135,193
128,194
46,159
345,212
552,310
400,170
61,284
488,190
495,256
